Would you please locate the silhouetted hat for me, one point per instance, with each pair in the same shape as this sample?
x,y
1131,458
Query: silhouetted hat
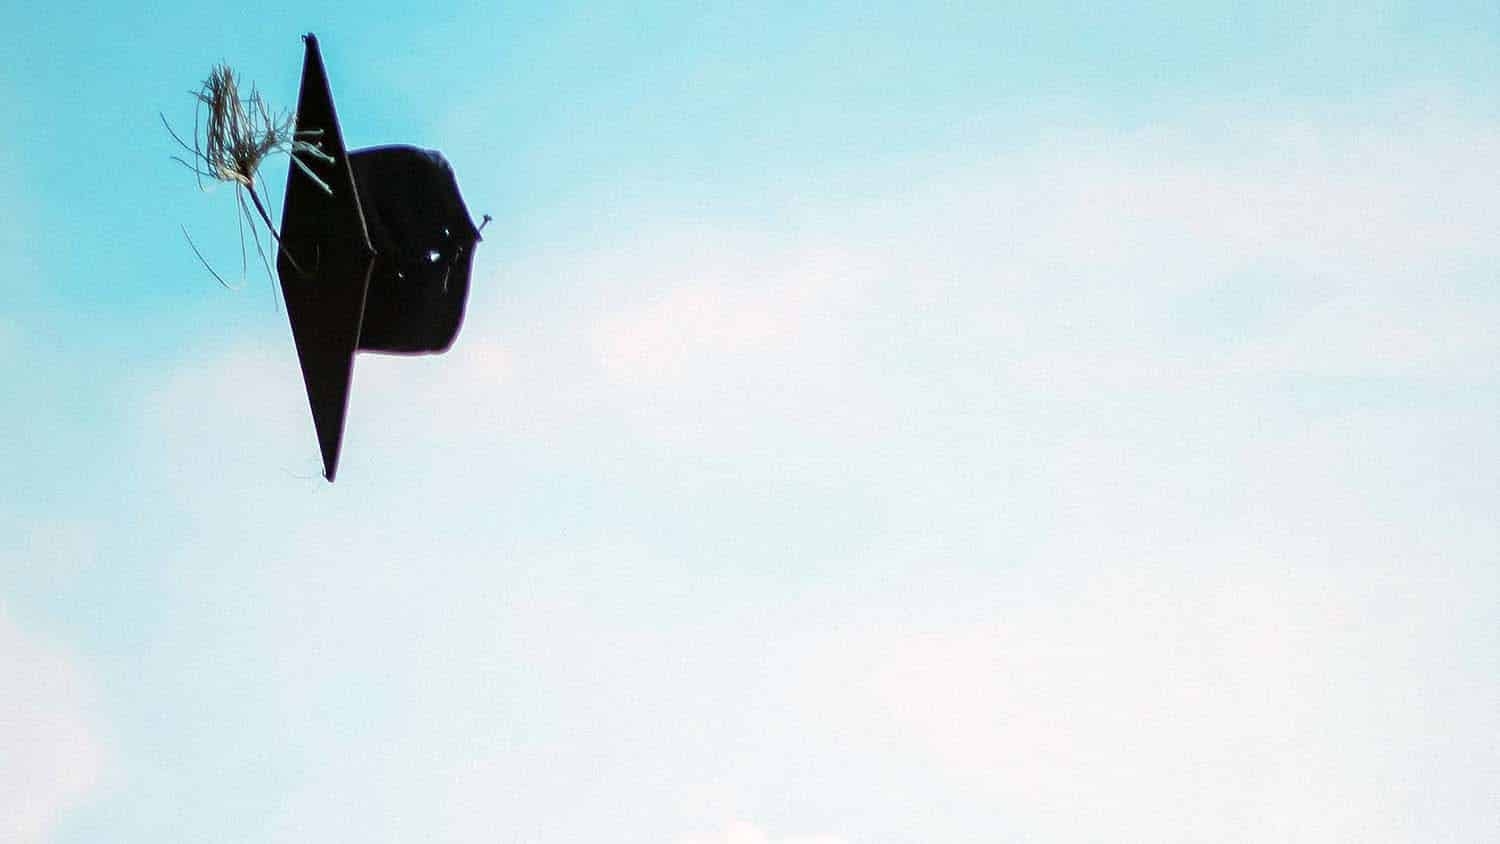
x,y
378,261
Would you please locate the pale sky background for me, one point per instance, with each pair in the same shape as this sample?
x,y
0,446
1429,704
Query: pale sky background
x,y
894,423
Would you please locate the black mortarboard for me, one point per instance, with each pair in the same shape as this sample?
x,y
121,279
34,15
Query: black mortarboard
x,y
377,261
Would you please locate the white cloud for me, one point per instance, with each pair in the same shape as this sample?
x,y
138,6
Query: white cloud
x,y
1109,261
742,832
1229,702
51,750
710,322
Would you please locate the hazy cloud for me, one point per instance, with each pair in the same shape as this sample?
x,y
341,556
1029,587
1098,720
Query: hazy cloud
x,y
742,832
51,751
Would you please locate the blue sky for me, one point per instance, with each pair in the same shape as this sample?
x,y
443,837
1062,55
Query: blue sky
x,y
885,423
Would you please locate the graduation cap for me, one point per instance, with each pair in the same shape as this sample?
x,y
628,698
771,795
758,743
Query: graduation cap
x,y
375,258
